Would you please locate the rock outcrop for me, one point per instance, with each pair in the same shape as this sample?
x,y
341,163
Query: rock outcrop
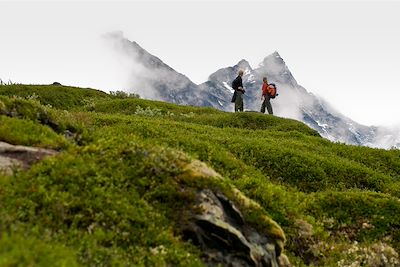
x,y
12,157
217,226
224,237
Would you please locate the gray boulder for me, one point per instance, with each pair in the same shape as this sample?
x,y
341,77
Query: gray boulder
x,y
12,157
224,237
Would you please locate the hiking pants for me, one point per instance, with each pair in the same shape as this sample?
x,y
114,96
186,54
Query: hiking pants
x,y
267,103
239,101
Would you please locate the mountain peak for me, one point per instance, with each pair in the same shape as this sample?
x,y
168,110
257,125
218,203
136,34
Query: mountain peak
x,y
243,62
276,54
274,57
244,65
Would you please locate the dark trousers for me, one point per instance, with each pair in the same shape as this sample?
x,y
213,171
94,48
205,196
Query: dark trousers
x,y
239,101
266,103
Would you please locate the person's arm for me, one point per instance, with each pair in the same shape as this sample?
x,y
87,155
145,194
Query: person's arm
x,y
241,86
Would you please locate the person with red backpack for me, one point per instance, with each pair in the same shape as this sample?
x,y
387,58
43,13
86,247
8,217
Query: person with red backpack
x,y
268,92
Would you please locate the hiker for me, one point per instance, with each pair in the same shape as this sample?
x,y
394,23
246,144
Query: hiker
x,y
237,98
267,90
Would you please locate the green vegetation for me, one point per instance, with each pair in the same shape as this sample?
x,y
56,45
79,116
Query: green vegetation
x,y
21,250
61,97
29,133
114,197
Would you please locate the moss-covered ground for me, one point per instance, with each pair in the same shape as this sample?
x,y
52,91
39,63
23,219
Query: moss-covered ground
x,y
111,196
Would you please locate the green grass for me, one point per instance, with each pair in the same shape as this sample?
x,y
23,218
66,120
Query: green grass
x,y
113,196
28,133
20,250
61,97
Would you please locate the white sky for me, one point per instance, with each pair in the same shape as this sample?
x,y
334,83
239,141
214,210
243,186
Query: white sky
x,y
346,52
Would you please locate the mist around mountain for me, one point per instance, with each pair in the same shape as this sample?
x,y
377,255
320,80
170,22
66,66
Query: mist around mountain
x,y
151,78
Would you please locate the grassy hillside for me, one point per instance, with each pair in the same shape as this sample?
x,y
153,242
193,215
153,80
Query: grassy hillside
x,y
114,196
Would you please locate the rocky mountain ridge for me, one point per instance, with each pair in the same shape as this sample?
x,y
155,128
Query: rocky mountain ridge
x,y
152,78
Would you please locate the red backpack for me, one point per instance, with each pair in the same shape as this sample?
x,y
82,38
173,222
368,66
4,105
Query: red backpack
x,y
272,91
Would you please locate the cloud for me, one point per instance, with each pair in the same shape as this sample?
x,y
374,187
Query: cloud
x,y
288,103
387,137
148,76
134,75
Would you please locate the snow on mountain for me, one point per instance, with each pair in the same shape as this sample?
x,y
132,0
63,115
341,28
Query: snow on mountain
x,y
228,87
152,78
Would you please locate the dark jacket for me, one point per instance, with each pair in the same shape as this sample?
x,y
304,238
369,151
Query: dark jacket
x,y
237,83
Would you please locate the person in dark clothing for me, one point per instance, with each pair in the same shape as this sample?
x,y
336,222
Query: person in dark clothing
x,y
237,85
266,97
